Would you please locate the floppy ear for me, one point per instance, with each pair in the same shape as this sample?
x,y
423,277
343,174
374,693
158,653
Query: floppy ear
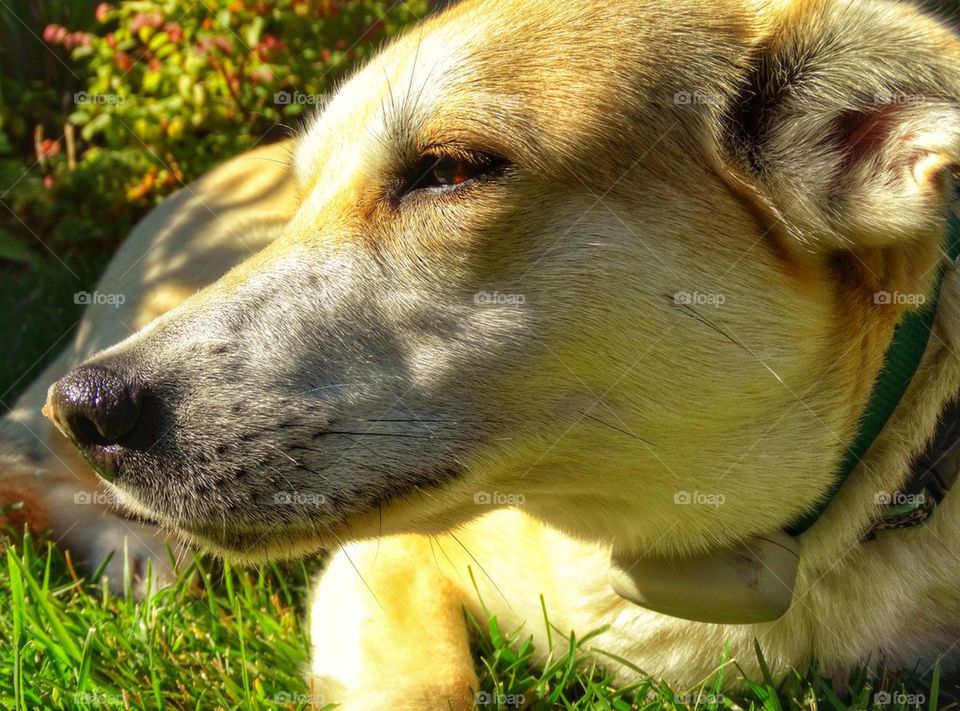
x,y
848,124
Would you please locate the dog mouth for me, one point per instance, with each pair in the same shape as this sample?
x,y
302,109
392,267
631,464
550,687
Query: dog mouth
x,y
281,523
260,545
242,540
260,504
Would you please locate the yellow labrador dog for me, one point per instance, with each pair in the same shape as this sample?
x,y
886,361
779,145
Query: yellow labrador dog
x,y
647,310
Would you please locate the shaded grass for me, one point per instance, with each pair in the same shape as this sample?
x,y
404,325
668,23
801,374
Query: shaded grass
x,y
39,319
229,638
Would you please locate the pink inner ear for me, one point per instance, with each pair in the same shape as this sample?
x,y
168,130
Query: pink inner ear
x,y
864,134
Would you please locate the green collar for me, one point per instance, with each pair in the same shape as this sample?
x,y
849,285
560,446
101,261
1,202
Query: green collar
x,y
900,364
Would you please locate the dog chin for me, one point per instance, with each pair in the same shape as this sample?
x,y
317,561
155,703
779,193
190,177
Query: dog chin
x,y
241,546
257,543
255,547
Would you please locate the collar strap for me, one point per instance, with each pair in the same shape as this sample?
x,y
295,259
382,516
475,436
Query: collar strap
x,y
900,364
931,477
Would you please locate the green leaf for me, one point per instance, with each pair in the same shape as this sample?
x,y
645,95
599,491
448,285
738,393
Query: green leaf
x,y
165,51
13,250
151,81
79,118
253,32
935,687
97,124
158,40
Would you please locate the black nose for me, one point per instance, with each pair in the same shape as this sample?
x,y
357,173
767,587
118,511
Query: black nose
x,y
95,405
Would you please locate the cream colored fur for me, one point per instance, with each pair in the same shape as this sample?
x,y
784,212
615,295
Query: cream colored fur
x,y
615,397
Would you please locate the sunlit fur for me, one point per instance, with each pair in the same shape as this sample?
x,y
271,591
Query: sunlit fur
x,y
349,362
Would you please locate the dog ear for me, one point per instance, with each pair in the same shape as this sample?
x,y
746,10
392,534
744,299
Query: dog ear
x,y
847,124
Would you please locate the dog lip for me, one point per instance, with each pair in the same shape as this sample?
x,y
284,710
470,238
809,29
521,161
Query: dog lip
x,y
101,459
250,543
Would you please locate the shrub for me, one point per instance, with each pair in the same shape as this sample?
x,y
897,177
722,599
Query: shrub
x,y
185,87
160,91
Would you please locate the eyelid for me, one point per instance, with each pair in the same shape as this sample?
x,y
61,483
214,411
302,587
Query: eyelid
x,y
473,157
452,148
430,156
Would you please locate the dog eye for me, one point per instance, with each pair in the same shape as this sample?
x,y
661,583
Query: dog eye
x,y
449,172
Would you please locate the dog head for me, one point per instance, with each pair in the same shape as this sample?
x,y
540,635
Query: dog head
x,y
633,268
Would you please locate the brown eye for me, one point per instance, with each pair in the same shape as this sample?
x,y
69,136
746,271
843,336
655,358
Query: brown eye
x,y
450,171
447,172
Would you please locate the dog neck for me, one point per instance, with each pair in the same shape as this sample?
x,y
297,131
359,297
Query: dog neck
x,y
932,474
884,485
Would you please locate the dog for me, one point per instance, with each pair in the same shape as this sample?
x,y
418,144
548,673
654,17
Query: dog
x,y
549,293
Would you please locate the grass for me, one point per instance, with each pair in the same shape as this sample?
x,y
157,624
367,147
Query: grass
x,y
229,638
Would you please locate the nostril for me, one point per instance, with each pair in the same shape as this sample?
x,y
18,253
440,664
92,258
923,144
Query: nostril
x,y
84,430
95,405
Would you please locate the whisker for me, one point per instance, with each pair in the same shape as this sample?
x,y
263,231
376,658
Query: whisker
x,y
618,429
284,163
329,387
362,579
285,126
433,552
413,71
495,586
281,452
361,444
456,570
714,327
402,435
181,555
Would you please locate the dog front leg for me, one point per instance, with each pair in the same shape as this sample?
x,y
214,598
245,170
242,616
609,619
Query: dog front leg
x,y
389,632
